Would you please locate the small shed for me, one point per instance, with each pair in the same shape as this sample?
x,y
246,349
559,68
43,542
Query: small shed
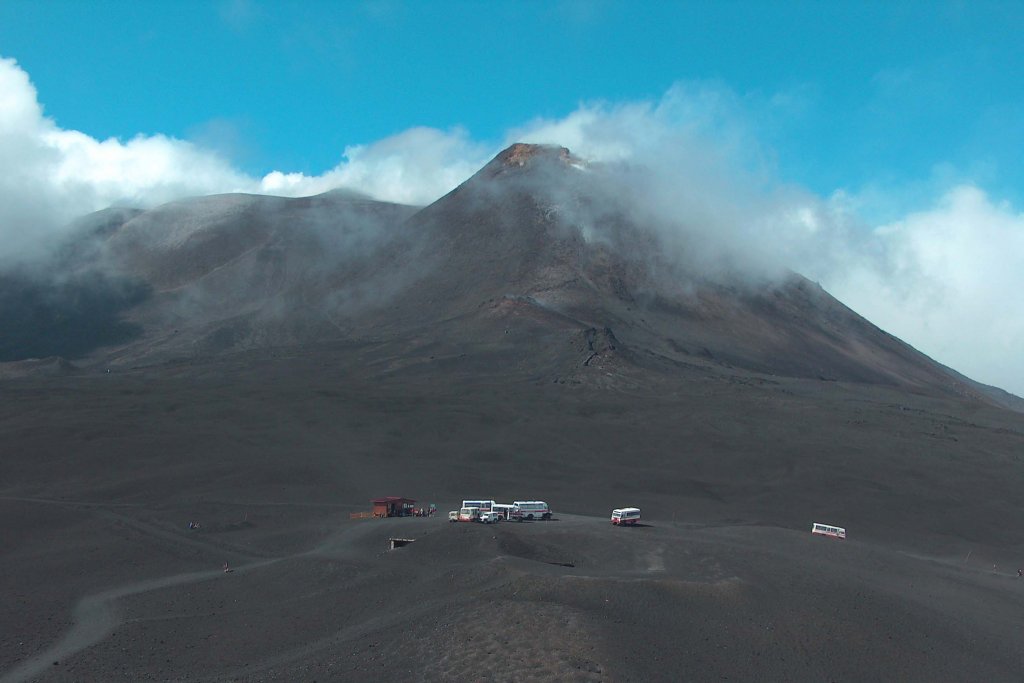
x,y
392,506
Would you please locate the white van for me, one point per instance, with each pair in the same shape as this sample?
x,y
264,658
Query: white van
x,y
532,509
484,505
489,517
504,510
625,516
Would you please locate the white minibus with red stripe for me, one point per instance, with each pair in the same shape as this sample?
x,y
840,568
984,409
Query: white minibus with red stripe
x,y
829,530
532,509
626,516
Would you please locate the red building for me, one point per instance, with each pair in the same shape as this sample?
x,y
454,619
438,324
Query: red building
x,y
392,506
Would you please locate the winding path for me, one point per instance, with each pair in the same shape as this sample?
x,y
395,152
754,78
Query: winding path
x,y
95,617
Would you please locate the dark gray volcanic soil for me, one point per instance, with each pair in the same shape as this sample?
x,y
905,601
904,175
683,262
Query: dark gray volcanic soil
x,y
287,360
102,473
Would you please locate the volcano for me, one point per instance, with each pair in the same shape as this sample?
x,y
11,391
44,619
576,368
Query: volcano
x,y
266,366
533,246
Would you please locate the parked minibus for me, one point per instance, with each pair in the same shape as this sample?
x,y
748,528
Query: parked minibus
x,y
625,516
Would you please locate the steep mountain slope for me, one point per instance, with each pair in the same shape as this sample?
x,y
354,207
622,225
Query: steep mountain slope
x,y
535,235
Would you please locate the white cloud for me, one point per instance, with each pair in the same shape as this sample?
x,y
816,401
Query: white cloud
x,y
51,176
689,167
413,167
947,280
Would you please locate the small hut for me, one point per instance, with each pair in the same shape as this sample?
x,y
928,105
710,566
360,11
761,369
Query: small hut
x,y
392,506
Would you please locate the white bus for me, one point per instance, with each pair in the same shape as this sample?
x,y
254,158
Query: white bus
x,y
625,516
829,530
532,509
484,505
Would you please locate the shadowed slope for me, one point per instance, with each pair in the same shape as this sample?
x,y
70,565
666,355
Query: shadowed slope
x,y
207,275
71,318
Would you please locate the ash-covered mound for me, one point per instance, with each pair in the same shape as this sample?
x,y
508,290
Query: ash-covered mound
x,y
54,366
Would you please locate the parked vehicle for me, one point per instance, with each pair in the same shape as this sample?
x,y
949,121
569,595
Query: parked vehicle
x,y
469,514
829,530
625,516
489,517
453,516
532,509
503,509
484,505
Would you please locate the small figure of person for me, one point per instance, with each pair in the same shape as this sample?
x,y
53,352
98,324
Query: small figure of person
x,y
1020,573
227,569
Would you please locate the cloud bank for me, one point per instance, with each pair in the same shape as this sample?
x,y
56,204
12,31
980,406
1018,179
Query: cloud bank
x,y
943,277
53,175
947,280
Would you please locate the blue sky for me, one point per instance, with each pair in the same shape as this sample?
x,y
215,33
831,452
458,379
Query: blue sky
x,y
886,92
885,140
